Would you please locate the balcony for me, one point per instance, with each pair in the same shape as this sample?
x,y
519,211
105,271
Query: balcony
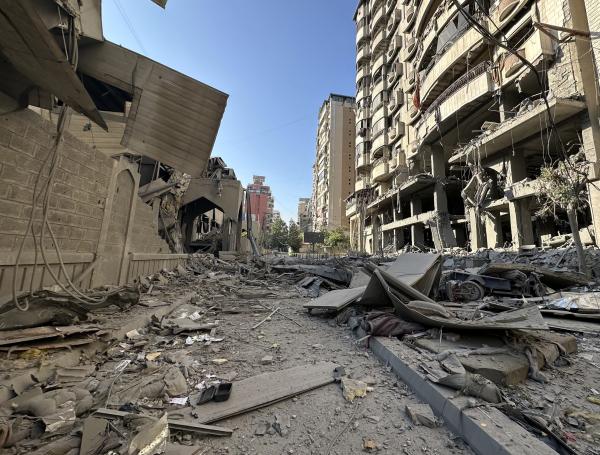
x,y
362,93
396,71
432,29
394,46
424,11
396,132
362,34
409,18
379,42
389,6
363,114
363,55
351,207
519,128
413,114
410,48
409,80
396,100
458,101
378,63
363,162
394,19
378,19
362,72
379,143
378,113
378,88
453,61
506,10
381,170
538,48
362,184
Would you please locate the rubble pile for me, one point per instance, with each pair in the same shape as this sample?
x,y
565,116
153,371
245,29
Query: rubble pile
x,y
490,326
156,369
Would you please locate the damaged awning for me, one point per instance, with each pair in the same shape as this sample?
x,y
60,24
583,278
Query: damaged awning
x,y
173,118
31,58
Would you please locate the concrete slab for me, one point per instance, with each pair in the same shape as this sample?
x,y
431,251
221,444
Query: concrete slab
x,y
487,431
501,369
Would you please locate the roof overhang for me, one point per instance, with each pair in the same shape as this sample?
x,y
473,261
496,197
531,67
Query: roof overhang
x,y
30,50
173,118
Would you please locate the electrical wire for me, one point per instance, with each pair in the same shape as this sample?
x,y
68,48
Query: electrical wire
x,y
52,157
129,24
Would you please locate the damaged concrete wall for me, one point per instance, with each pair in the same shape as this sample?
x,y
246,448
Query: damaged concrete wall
x,y
87,185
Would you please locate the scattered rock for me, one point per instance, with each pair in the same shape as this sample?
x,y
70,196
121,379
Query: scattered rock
x,y
267,360
353,388
421,414
369,445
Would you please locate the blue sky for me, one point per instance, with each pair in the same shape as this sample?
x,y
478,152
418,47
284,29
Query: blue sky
x,y
277,59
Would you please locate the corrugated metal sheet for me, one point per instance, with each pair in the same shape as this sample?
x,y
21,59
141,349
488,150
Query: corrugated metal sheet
x,y
26,42
173,118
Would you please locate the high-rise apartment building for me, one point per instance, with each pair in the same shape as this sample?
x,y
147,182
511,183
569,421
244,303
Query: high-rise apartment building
x,y
304,214
333,170
261,203
460,104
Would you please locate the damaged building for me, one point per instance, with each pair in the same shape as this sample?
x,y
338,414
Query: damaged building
x,y
460,105
105,163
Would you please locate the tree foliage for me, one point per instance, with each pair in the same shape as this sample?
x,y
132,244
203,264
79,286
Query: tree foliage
x,y
337,238
278,237
294,237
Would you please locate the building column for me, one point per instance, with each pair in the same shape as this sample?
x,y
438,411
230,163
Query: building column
x,y
477,240
417,231
445,236
521,226
594,197
493,230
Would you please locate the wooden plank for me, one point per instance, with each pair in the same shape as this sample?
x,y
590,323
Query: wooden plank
x,y
336,300
265,389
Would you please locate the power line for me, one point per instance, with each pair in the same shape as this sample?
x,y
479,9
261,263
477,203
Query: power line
x,y
130,25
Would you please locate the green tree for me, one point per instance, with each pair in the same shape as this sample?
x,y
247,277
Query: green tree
x,y
294,237
278,237
337,238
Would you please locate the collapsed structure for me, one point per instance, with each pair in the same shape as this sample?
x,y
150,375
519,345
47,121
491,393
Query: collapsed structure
x,y
94,143
460,105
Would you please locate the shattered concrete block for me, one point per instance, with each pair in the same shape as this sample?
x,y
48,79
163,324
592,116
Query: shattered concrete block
x,y
352,388
267,360
175,383
421,414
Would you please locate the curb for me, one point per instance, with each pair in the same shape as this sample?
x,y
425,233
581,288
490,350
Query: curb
x,y
487,431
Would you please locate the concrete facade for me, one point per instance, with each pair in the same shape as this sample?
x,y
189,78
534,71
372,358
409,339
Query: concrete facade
x,y
304,214
261,204
333,169
451,127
